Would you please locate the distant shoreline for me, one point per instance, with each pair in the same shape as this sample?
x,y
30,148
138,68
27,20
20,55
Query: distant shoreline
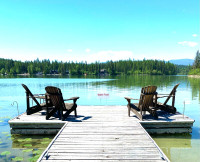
x,y
27,74
194,76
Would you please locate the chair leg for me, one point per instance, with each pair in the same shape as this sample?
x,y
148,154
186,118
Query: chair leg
x,y
129,110
50,113
61,115
154,114
75,113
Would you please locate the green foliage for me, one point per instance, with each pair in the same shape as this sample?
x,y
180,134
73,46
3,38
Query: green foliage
x,y
11,138
33,159
183,69
197,60
45,142
2,71
17,159
28,145
37,152
6,153
28,150
195,70
28,139
126,67
20,140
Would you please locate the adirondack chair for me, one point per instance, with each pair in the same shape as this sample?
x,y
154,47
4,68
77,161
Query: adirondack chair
x,y
38,106
147,102
164,106
54,97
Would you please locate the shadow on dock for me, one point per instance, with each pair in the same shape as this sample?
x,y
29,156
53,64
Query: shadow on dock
x,y
79,118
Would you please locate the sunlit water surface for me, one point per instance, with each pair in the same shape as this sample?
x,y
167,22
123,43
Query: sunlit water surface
x,y
98,91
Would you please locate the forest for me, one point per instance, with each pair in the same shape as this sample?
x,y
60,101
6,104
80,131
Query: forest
x,y
195,69
122,67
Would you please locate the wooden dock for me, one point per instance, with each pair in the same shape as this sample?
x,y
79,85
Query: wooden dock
x,y
102,133
37,123
167,123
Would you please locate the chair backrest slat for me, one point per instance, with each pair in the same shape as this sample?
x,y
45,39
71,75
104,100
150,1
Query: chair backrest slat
x,y
56,97
146,97
172,93
28,92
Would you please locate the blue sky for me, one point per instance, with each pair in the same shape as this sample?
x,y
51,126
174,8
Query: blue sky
x,y
99,30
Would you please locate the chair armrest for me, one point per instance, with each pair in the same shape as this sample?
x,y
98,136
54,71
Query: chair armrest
x,y
41,96
129,98
72,98
38,94
164,95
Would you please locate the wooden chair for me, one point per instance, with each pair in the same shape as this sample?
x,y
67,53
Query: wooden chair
x,y
57,106
147,102
164,106
38,106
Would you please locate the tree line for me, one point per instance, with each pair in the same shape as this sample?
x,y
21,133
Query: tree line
x,y
153,67
195,68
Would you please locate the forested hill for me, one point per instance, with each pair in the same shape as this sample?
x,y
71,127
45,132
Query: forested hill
x,y
185,62
155,67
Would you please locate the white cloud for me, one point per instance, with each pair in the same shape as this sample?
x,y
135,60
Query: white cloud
x,y
194,35
69,50
87,50
187,43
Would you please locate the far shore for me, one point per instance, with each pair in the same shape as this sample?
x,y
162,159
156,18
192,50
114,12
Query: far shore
x,y
27,74
194,76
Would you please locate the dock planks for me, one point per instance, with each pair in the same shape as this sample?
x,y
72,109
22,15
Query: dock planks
x,y
37,123
102,133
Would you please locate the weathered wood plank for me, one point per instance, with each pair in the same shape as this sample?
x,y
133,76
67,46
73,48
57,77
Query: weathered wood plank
x,y
35,131
103,136
103,157
104,127
92,160
49,126
102,133
172,125
107,124
106,130
102,146
100,116
103,153
169,130
97,138
124,150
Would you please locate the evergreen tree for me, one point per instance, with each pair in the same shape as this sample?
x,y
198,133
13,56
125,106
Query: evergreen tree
x,y
197,60
128,67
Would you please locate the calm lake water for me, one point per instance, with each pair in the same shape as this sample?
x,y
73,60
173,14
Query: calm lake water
x,y
184,147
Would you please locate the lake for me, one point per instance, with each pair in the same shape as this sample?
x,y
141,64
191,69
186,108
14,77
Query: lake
x,y
98,91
